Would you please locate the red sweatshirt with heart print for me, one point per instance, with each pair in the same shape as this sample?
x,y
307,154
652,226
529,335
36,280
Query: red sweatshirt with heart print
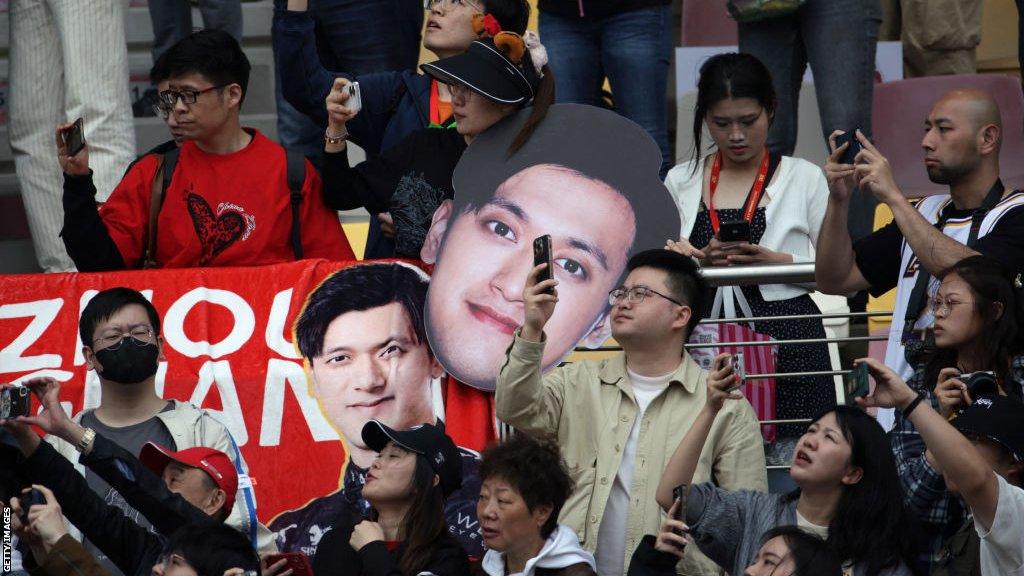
x,y
223,210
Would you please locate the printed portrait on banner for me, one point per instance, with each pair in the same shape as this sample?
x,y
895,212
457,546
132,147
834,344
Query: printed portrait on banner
x,y
363,341
589,178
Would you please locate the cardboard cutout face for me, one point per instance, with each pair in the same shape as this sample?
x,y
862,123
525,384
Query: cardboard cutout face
x,y
361,334
589,178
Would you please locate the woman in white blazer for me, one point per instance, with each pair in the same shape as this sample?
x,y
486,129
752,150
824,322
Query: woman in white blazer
x,y
780,199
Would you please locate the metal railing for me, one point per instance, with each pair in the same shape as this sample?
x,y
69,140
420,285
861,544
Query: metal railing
x,y
802,273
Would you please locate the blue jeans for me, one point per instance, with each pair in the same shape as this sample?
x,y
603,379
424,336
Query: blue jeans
x,y
838,39
355,37
632,48
172,20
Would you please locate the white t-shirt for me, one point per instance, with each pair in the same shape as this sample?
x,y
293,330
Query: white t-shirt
x,y
816,529
1002,546
611,536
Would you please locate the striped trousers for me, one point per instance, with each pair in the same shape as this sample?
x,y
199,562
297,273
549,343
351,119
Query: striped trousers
x,y
68,59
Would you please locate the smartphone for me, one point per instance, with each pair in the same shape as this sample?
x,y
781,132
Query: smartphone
x,y
297,562
856,382
32,498
739,369
355,98
74,137
850,155
680,493
542,255
15,401
734,231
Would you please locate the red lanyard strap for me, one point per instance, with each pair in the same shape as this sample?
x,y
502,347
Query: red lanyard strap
x,y
753,197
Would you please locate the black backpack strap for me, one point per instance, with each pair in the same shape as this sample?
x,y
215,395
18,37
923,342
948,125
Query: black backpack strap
x,y
170,163
296,178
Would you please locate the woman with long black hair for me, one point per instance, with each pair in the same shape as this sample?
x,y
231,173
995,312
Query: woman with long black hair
x,y
406,533
781,200
847,492
978,314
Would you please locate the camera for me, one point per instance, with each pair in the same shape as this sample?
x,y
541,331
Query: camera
x,y
980,383
14,402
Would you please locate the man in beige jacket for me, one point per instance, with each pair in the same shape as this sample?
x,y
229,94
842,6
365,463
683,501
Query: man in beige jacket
x,y
618,420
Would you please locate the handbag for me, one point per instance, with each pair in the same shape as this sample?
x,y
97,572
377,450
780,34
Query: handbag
x,y
756,359
754,10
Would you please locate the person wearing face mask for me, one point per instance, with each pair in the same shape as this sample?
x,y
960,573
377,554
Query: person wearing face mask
x,y
847,492
121,342
410,180
978,315
416,469
785,551
782,198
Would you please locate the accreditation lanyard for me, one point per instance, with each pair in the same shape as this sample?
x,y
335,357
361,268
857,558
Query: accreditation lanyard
x,y
753,197
435,109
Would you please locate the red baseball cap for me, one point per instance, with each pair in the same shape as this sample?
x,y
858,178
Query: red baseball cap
x,y
214,462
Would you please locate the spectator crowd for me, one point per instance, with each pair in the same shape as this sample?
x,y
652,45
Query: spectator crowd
x,y
644,461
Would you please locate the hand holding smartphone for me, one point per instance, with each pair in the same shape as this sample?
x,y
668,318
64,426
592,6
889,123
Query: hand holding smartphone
x,y
31,498
739,369
856,382
355,98
850,155
74,138
542,255
679,495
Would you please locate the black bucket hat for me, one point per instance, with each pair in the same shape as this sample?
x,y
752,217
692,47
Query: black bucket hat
x,y
995,418
426,439
487,70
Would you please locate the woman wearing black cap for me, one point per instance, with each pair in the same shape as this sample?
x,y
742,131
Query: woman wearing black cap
x,y
404,185
406,533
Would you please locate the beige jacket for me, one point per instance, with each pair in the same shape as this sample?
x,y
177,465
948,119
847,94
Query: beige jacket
x,y
590,408
190,427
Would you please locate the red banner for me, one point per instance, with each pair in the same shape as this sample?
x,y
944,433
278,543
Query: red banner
x,y
228,345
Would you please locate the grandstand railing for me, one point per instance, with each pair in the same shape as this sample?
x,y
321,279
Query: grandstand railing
x,y
803,274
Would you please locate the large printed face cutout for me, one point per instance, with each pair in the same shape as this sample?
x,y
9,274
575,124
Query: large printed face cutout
x,y
361,332
587,177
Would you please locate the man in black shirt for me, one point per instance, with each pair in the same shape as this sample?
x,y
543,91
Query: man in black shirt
x,y
963,134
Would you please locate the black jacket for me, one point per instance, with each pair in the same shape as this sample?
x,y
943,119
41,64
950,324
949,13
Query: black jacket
x,y
594,8
647,561
132,548
335,555
409,180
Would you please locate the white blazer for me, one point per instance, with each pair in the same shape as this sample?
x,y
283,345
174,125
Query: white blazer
x,y
796,207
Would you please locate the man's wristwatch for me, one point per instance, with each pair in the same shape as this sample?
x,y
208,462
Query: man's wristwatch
x,y
335,138
85,444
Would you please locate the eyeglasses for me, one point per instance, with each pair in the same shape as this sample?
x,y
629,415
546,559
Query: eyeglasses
x,y
139,335
431,4
636,295
941,308
170,97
